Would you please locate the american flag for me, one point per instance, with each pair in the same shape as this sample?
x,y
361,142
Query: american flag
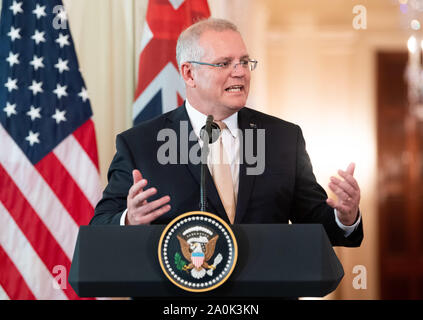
x,y
49,175
160,88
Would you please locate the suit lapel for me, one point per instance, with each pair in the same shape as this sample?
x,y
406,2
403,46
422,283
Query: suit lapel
x,y
246,182
214,204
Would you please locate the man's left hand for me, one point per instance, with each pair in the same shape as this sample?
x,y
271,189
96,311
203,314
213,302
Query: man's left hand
x,y
348,196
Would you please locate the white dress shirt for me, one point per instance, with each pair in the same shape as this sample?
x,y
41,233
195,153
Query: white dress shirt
x,y
230,140
231,144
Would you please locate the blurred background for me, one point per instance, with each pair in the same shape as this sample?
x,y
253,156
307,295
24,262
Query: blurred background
x,y
337,69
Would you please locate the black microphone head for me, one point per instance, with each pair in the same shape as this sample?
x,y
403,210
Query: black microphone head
x,y
213,134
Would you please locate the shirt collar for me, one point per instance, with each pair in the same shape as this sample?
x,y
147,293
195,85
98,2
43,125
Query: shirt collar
x,y
198,120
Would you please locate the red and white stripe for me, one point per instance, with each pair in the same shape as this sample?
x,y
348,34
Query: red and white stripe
x,y
3,294
197,261
41,209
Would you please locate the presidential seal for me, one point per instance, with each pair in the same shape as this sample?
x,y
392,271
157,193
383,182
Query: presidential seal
x,y
198,251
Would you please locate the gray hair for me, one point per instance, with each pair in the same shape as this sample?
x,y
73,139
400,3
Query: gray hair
x,y
188,48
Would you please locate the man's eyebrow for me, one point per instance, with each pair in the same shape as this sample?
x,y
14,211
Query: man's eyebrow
x,y
246,56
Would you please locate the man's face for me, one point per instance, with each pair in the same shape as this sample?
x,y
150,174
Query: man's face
x,y
223,88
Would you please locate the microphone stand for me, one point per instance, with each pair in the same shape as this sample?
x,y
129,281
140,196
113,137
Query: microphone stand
x,y
206,136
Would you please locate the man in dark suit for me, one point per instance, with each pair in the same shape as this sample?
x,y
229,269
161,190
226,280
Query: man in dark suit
x,y
216,68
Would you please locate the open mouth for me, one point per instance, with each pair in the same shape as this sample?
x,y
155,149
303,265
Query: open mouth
x,y
236,88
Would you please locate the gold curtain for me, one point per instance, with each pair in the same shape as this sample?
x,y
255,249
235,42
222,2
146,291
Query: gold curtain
x,y
104,36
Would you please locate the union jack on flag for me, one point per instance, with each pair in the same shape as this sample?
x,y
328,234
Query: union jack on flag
x,y
49,175
160,88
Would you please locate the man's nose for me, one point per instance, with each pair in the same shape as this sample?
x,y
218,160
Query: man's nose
x,y
238,70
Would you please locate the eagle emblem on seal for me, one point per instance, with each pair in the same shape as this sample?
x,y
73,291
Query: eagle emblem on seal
x,y
198,246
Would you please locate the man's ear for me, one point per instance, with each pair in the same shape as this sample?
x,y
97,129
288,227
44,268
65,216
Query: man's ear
x,y
187,74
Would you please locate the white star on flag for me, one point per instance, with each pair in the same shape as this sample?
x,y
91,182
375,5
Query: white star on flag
x,y
63,40
32,138
36,87
16,7
37,62
83,94
11,84
59,116
62,65
13,59
34,113
38,37
39,11
14,33
10,109
60,91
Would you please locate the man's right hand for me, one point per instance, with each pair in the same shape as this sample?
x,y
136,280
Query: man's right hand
x,y
140,211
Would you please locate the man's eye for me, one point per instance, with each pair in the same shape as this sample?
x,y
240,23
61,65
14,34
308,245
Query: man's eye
x,y
244,63
223,64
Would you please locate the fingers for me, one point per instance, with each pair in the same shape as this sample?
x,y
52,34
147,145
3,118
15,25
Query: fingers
x,y
149,211
136,175
347,188
152,206
136,188
342,188
348,195
351,168
152,210
153,215
140,211
142,196
349,177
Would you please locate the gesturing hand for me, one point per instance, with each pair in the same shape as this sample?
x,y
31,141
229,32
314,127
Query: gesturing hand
x,y
348,196
140,211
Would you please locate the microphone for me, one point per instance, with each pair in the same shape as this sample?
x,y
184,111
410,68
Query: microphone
x,y
208,135
210,130
209,122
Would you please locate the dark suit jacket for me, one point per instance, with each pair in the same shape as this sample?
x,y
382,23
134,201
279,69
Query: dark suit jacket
x,y
287,189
